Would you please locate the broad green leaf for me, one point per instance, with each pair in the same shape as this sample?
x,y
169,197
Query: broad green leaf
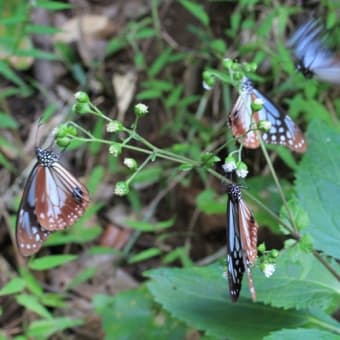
x,y
134,315
53,300
318,187
144,255
43,329
198,296
32,303
302,333
52,261
300,281
83,276
16,285
196,10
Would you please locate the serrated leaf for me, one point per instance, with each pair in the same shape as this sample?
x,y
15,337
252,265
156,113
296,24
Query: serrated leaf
x,y
318,187
52,261
16,285
43,329
32,303
300,281
302,333
198,296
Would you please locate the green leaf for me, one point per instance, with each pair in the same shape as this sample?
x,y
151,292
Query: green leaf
x,y
300,281
147,176
150,227
32,303
149,94
36,53
83,276
52,261
197,11
198,296
7,72
134,315
7,122
210,203
8,165
32,283
43,329
16,285
144,255
318,187
41,29
160,62
52,5
302,333
95,179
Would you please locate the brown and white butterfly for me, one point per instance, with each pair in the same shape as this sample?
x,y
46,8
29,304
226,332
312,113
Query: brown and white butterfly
x,y
243,122
53,199
241,242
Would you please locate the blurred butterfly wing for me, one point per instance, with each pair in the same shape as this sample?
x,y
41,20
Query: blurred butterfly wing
x,y
60,198
29,234
315,58
234,251
283,130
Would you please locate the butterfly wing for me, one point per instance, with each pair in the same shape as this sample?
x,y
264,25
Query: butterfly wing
x,y
314,57
240,119
29,233
235,258
283,130
248,232
60,198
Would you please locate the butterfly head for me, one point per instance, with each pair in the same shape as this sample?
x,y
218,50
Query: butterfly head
x,y
46,157
234,192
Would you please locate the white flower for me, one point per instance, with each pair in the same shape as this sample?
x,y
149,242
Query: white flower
x,y
269,269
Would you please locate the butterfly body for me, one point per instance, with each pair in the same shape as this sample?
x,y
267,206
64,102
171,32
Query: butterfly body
x,y
53,199
243,122
241,242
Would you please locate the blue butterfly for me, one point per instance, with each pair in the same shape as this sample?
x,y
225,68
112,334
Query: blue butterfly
x,y
314,57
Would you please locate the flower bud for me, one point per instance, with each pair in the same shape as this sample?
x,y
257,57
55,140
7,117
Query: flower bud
x,y
257,105
264,125
241,169
121,188
229,164
115,149
141,110
130,163
81,97
114,126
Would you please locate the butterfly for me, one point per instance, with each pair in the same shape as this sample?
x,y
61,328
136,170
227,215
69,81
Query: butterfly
x,y
53,199
243,122
314,57
241,242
